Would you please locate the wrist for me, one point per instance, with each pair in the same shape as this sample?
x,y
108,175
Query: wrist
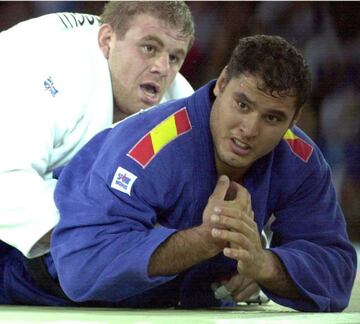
x,y
212,246
269,267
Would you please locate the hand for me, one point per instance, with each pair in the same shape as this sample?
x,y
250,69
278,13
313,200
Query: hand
x,y
219,200
238,288
216,199
239,229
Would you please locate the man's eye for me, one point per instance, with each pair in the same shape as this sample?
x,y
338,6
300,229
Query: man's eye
x,y
272,119
173,59
148,49
242,106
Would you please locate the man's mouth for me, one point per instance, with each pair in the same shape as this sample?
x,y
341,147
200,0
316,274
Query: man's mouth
x,y
151,90
242,145
239,147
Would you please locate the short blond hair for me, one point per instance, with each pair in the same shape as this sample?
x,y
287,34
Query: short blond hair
x,y
119,15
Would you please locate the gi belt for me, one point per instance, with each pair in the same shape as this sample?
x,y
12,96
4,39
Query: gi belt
x,y
38,271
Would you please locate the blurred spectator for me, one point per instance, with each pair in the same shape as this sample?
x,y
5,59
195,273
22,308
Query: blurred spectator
x,y
12,12
294,20
219,25
340,109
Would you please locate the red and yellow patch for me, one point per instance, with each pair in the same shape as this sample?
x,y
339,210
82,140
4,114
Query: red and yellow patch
x,y
298,146
161,135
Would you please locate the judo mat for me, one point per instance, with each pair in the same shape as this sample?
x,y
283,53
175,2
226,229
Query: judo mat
x,y
270,313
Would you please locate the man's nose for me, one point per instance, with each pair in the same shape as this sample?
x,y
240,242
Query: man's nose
x,y
250,125
161,64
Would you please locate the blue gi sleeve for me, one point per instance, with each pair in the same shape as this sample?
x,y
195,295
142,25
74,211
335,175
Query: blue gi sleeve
x,y
108,227
309,236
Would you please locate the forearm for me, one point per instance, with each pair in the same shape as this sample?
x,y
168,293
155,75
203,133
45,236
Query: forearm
x,y
275,277
183,250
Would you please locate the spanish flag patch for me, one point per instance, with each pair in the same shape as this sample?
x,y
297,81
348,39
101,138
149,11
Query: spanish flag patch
x,y
161,135
298,146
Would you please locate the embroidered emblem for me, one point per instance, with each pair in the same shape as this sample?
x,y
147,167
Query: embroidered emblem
x,y
123,180
49,86
162,134
298,146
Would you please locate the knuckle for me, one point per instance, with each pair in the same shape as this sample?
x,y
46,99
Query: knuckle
x,y
242,189
223,220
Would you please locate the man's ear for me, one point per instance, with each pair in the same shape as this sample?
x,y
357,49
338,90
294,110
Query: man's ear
x,y
296,117
221,82
104,39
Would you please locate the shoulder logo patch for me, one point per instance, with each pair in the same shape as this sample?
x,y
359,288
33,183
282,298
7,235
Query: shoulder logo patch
x,y
123,180
298,146
162,134
49,86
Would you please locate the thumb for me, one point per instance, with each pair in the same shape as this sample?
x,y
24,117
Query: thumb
x,y
221,187
241,193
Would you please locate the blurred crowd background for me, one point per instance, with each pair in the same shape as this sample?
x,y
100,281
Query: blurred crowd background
x,y
328,33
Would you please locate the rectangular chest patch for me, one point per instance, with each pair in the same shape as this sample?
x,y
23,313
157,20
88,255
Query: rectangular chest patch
x,y
123,180
298,146
161,135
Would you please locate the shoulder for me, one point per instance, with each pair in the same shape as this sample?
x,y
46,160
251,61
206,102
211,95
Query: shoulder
x,y
132,161
148,132
297,156
72,20
56,22
179,88
299,172
299,144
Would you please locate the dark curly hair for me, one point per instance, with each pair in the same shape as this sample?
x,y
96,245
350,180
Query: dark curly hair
x,y
119,14
279,64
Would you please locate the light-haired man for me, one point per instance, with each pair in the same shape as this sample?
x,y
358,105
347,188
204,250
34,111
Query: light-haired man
x,y
67,76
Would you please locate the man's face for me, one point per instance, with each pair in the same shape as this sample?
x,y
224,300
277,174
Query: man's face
x,y
143,62
246,123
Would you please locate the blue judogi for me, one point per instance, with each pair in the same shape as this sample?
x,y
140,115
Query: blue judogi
x,y
116,209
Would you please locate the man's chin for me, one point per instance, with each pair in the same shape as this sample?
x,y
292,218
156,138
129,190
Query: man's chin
x,y
146,103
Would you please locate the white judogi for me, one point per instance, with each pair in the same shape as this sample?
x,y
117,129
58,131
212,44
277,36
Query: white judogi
x,y
55,94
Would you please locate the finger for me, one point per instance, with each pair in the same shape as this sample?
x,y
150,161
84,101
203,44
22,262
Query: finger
x,y
243,198
241,255
221,188
246,282
246,293
252,214
249,209
235,241
231,227
232,191
235,283
242,194
235,213
221,292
